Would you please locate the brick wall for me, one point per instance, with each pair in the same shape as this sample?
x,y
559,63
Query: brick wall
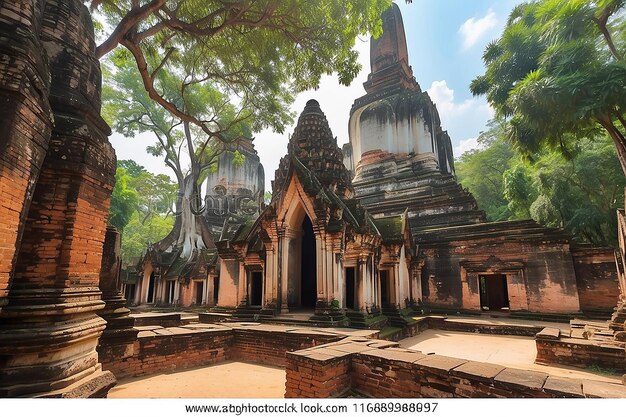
x,y
596,276
580,353
269,344
385,371
162,352
175,348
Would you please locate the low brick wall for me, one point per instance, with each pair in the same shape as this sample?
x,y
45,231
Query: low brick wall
x,y
175,348
270,344
580,353
167,350
386,371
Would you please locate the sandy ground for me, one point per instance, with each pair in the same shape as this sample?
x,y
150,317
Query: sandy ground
x,y
513,351
225,380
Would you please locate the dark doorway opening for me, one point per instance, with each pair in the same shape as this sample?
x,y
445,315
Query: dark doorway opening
x,y
129,293
170,291
216,289
151,283
350,276
308,284
256,288
494,294
384,288
199,292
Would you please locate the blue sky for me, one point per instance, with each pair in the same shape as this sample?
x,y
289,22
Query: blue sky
x,y
446,39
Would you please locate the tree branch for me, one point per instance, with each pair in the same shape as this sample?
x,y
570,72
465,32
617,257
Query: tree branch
x,y
128,22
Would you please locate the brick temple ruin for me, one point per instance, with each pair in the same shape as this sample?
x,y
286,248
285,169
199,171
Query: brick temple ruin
x,y
379,226
367,236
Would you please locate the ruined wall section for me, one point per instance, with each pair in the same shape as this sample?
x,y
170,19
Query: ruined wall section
x,y
596,276
536,261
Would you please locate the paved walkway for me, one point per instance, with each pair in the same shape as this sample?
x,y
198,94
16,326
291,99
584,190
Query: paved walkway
x,y
513,351
224,380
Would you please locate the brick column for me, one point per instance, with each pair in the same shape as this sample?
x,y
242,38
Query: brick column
x,y
25,124
119,326
49,329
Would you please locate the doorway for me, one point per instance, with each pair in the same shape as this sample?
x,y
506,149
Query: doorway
x,y
170,291
216,289
256,288
199,292
494,295
350,286
151,284
308,264
384,288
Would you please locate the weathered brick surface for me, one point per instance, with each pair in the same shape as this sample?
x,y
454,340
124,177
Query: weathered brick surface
x,y
54,294
399,373
152,353
581,353
25,123
596,276
174,348
271,346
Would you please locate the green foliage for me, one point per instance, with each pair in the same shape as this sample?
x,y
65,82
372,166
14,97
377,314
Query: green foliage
x,y
261,52
124,200
140,232
141,207
238,159
558,74
580,193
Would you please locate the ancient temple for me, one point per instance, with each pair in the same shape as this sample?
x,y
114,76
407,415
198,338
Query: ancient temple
x,y
402,160
314,247
165,276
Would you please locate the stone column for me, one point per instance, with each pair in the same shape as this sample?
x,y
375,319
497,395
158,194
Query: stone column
x,y
49,329
284,272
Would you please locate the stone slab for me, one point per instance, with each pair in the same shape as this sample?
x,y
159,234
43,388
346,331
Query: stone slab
x,y
395,354
484,372
522,378
564,387
439,362
549,333
595,389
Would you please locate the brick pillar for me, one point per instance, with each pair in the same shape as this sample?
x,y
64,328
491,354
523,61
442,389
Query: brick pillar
x,y
119,323
25,124
49,329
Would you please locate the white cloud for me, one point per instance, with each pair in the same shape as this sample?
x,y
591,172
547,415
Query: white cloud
x,y
466,145
473,29
467,118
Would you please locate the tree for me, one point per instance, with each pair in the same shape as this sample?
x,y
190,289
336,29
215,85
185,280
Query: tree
x,y
580,193
141,207
482,171
260,51
130,110
558,74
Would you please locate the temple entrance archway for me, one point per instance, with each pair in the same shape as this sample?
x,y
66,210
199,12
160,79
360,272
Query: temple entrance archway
x,y
308,265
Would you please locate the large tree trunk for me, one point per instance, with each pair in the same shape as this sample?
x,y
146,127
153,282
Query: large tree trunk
x,y
191,232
